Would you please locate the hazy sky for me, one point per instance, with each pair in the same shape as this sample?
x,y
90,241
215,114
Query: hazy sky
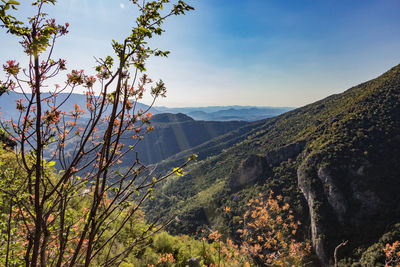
x,y
243,52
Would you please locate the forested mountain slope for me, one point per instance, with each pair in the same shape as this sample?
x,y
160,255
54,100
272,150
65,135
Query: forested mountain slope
x,y
335,161
174,133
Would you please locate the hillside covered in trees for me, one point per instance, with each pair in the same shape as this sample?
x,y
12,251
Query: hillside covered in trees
x,y
336,161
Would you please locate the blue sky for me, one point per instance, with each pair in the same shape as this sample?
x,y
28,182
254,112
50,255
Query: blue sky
x,y
244,52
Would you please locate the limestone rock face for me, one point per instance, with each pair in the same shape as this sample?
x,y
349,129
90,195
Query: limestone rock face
x,y
345,199
333,194
317,230
249,171
285,153
343,203
257,167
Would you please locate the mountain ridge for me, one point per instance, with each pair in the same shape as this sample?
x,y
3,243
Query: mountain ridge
x,y
212,113
334,155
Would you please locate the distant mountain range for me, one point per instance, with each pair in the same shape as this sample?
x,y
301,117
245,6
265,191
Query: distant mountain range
x,y
211,113
227,113
173,132
8,103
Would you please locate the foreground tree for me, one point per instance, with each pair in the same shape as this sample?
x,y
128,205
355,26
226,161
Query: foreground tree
x,y
268,233
267,237
69,218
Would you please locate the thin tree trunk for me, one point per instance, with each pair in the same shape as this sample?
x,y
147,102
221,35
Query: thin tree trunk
x,y
336,250
38,166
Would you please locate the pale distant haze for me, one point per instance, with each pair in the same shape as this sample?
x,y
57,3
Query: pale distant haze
x,y
241,52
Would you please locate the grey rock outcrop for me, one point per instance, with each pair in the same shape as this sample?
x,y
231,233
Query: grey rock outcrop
x,y
341,202
285,153
257,167
249,171
317,230
333,194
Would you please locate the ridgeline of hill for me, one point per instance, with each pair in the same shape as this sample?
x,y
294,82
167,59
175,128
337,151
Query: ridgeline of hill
x,y
335,161
227,113
212,113
173,133
8,103
177,132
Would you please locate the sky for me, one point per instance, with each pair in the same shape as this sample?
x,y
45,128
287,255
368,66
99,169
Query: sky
x,y
241,52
